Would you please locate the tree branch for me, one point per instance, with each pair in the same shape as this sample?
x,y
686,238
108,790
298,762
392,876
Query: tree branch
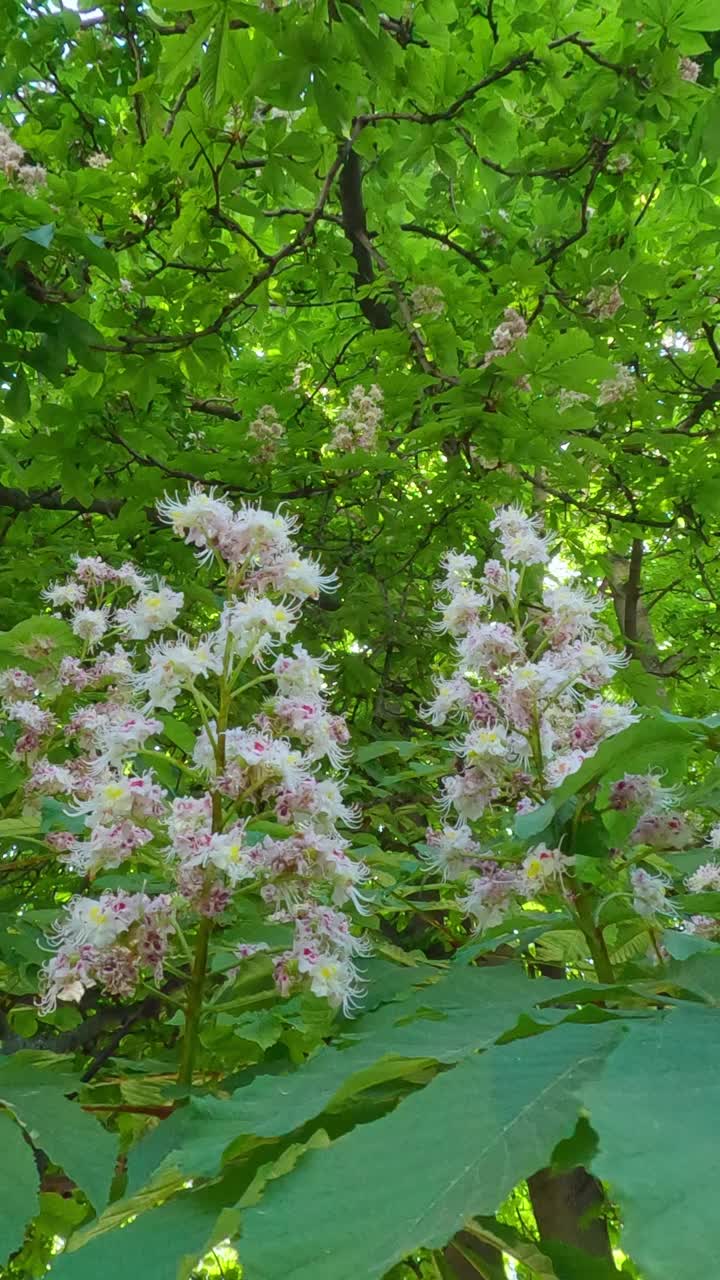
x,y
354,224
632,593
415,229
216,409
53,500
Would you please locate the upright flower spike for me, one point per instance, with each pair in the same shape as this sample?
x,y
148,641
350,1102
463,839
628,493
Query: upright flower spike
x,y
263,739
358,423
532,660
529,666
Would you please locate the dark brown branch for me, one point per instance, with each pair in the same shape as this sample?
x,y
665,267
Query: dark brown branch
x,y
647,203
354,224
231,225
178,341
707,401
632,593
53,500
604,513
588,49
558,171
290,212
518,63
709,331
177,473
415,229
137,98
417,345
216,409
179,103
558,249
489,17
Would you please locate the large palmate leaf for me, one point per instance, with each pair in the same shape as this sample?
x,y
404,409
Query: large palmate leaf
x,y
18,1185
414,1177
462,1012
654,1106
163,1244
68,1135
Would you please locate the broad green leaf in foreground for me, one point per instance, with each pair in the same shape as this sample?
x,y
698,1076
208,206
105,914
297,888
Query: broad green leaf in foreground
x,y
654,1106
413,1178
465,1011
162,1245
18,1185
67,1134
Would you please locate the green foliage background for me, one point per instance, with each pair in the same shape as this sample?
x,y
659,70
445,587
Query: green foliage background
x,y
282,178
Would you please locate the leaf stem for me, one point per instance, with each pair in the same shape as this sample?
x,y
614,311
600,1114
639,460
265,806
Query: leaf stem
x,y
193,1008
594,937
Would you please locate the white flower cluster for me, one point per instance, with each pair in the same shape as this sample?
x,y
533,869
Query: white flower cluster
x,y
31,177
91,596
618,388
604,301
527,683
507,335
199,838
301,369
689,70
611,391
358,423
268,431
567,399
427,300
256,545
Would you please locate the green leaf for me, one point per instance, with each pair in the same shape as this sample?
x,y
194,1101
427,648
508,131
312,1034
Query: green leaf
x,y
653,1106
650,737
36,641
455,1149
18,1186
213,67
12,828
373,751
41,235
531,824
55,817
700,15
443,1021
72,1138
181,735
16,404
163,1243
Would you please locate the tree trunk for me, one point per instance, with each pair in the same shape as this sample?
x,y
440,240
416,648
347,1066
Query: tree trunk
x,y
463,1251
567,1208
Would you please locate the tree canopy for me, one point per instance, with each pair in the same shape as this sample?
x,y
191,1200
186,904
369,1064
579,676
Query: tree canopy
x,y
385,270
